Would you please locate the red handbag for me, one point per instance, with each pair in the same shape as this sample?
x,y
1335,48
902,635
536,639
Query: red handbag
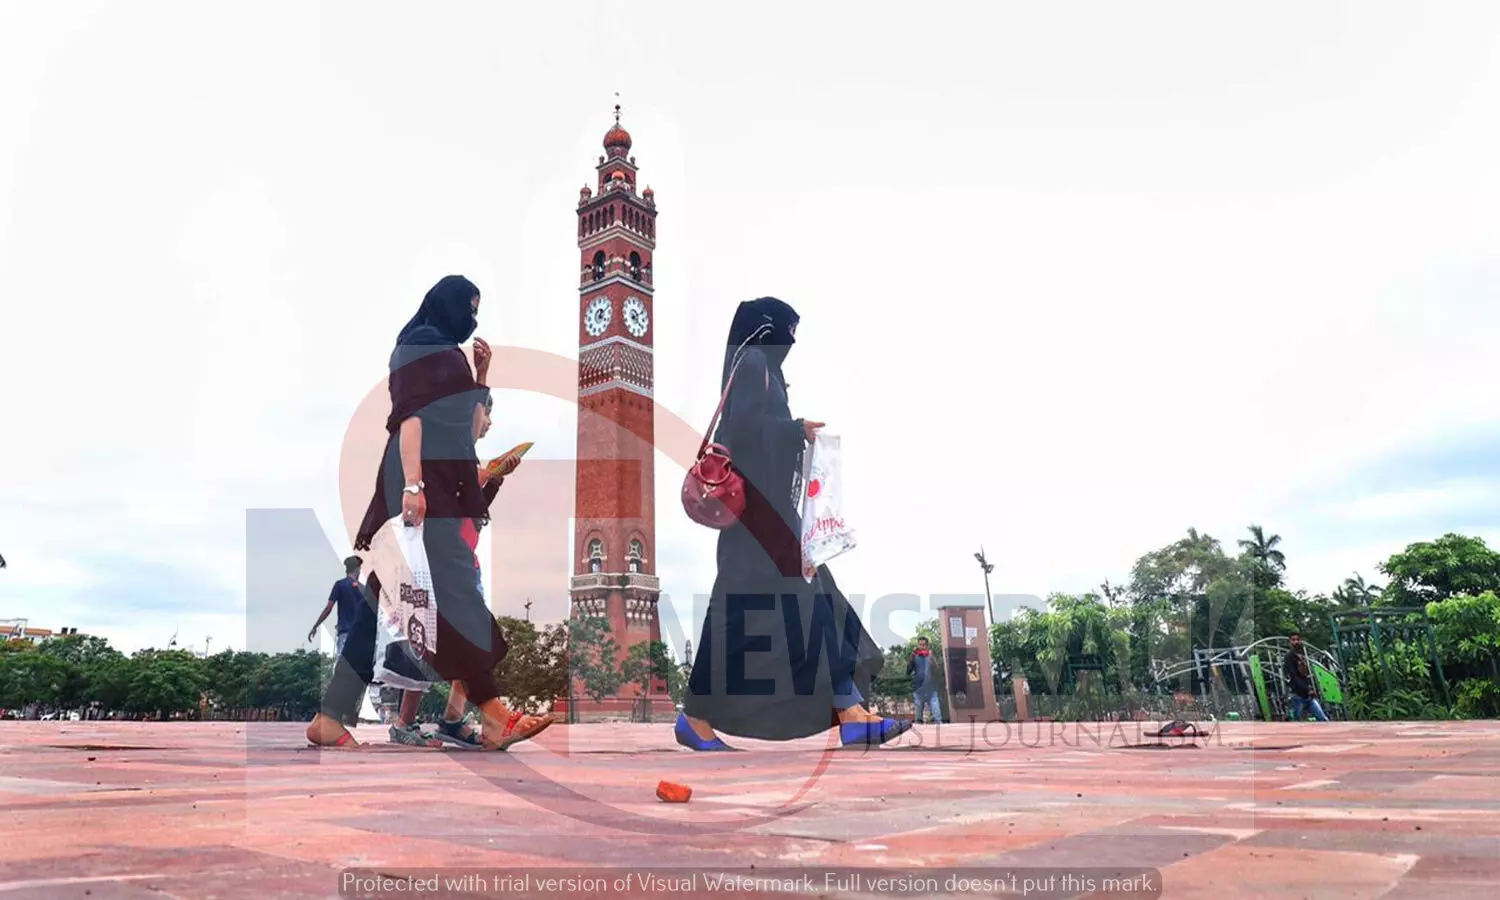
x,y
713,493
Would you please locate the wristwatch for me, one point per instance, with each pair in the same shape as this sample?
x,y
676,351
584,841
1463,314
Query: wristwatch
x,y
414,488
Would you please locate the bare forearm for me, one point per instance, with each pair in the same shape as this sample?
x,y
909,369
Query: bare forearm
x,y
411,450
326,610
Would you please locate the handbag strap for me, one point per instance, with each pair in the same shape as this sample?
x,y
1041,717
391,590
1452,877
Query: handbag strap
x,y
728,383
713,423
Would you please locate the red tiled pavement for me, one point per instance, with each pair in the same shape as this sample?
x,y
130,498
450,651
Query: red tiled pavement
x,y
246,810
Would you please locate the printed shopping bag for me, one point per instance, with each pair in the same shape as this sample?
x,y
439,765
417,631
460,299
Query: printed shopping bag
x,y
406,620
825,534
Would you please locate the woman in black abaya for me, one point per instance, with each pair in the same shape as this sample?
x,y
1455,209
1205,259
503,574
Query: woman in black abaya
x,y
430,477
779,658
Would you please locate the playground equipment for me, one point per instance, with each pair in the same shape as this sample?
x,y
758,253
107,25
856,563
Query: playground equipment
x,y
1360,632
1256,669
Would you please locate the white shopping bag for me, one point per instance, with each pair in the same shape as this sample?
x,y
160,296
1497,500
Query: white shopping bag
x,y
406,621
825,534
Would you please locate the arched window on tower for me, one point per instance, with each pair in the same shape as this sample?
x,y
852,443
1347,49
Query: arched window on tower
x,y
611,215
596,555
599,265
637,556
635,266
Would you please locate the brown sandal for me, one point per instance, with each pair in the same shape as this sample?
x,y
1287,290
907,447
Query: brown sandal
x,y
516,732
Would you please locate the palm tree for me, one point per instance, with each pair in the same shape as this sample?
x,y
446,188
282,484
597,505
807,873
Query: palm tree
x,y
1357,589
1263,549
1113,594
1201,541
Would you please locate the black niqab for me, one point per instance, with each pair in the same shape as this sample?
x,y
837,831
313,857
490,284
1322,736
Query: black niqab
x,y
446,315
766,323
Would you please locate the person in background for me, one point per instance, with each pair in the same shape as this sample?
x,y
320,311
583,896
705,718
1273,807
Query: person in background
x,y
354,668
347,597
1304,698
923,685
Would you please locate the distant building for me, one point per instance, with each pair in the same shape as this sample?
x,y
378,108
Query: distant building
x,y
21,632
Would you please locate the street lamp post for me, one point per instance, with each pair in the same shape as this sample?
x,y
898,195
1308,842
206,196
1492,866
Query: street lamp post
x,y
987,568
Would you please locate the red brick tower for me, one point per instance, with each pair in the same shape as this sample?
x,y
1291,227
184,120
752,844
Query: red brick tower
x,y
614,554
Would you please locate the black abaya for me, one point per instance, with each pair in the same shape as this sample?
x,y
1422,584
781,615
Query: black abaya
x,y
773,646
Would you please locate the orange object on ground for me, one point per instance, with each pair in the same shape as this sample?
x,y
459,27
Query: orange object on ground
x,y
673,793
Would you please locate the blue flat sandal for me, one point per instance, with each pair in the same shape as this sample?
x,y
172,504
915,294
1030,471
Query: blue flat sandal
x,y
872,734
688,738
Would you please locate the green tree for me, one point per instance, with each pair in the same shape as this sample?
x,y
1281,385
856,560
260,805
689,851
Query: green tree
x,y
291,683
1185,595
29,676
165,682
893,683
645,661
592,657
1358,592
677,683
232,676
434,703
1267,562
1436,570
109,683
1467,630
534,671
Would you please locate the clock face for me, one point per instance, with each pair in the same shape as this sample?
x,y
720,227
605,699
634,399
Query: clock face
x,y
636,317
596,319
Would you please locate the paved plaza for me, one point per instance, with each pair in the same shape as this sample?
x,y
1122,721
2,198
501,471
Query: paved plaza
x,y
231,810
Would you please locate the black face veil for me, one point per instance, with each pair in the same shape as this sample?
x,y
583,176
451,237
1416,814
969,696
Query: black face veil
x,y
767,323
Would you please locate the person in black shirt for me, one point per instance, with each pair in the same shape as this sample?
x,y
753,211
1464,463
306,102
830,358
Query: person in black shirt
x,y
1304,698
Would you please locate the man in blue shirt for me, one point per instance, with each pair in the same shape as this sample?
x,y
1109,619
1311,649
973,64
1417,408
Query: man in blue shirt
x,y
354,669
924,686
349,596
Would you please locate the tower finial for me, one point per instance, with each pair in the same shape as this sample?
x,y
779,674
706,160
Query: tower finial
x,y
617,108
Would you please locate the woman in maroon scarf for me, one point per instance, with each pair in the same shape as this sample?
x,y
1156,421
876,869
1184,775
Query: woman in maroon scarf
x,y
430,478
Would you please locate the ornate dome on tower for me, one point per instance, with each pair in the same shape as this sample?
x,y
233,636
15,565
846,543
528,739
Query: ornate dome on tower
x,y
617,139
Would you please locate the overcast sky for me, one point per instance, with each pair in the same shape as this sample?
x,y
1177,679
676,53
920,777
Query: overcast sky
x,y
1072,278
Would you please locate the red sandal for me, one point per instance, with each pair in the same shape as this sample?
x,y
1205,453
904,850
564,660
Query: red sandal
x,y
344,741
514,735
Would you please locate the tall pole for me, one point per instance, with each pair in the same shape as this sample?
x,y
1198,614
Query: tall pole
x,y
987,567
528,609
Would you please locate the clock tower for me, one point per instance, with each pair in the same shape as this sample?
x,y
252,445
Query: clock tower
x,y
614,540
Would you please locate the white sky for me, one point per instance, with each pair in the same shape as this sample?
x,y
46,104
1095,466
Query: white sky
x,y
1072,277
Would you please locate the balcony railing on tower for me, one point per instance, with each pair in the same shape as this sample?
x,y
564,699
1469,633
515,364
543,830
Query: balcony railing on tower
x,y
639,581
598,272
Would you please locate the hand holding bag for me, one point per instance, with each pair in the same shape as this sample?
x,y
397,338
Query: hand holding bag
x,y
825,534
406,635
